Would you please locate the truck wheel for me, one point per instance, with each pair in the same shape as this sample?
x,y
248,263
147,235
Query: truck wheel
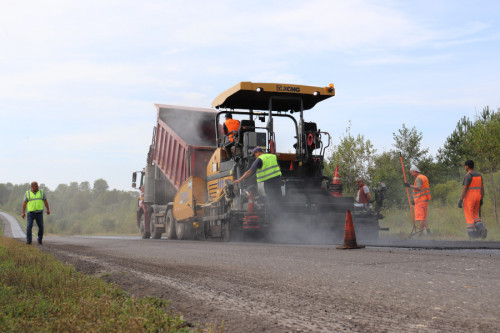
x,y
155,232
170,225
142,226
184,230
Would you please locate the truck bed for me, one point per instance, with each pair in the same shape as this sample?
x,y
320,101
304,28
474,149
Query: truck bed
x,y
183,143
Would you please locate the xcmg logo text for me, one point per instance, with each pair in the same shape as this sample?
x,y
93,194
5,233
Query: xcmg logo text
x,y
287,88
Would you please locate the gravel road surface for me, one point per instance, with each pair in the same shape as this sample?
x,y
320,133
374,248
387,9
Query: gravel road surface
x,y
300,288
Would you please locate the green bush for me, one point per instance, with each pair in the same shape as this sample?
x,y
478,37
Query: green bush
x,y
447,193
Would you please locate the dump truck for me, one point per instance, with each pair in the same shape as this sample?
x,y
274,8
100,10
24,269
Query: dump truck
x,y
187,189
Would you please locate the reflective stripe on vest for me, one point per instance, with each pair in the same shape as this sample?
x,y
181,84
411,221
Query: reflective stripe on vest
x,y
270,168
35,201
425,192
232,125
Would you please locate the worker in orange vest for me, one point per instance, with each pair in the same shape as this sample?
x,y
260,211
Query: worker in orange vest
x,y
421,197
364,196
231,127
471,200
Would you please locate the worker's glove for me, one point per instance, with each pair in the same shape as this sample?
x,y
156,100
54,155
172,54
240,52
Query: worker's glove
x,y
460,203
407,184
480,202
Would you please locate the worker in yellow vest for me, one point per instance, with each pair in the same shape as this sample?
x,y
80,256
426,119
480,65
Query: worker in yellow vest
x,y
34,200
267,171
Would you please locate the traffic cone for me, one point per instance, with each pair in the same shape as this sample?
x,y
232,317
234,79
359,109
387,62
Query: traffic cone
x,y
349,234
336,185
251,219
250,207
336,176
291,166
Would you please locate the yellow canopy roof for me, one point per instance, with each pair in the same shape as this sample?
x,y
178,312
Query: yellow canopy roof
x,y
256,96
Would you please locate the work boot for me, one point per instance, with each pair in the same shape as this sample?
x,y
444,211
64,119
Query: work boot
x,y
428,231
40,241
484,233
481,231
472,234
28,242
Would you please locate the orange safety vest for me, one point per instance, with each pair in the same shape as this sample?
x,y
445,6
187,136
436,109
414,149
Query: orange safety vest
x,y
232,125
362,197
474,189
425,192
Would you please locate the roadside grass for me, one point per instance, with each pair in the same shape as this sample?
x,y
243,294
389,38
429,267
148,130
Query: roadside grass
x,y
446,223
40,294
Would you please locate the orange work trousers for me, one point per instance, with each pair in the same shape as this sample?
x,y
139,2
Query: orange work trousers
x,y
421,214
471,208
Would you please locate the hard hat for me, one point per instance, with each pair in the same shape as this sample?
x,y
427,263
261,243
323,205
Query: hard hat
x,y
414,168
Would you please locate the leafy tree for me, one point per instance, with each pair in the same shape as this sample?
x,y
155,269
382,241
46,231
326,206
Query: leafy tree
x,y
451,157
354,156
79,202
447,193
387,169
100,186
5,190
408,142
84,186
16,197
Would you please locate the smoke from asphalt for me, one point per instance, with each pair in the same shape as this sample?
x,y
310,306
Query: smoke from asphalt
x,y
194,127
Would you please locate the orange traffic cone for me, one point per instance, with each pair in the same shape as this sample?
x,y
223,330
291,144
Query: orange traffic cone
x,y
336,176
291,166
336,185
251,219
349,234
250,202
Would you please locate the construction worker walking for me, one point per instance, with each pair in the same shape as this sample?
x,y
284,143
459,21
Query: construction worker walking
x,y
421,197
34,200
471,200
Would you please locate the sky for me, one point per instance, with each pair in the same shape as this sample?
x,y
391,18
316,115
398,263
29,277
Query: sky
x,y
79,79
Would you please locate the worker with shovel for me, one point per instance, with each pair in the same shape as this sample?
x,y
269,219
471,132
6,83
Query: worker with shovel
x,y
421,196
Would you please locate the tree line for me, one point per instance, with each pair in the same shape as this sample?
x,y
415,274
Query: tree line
x,y
79,208
477,139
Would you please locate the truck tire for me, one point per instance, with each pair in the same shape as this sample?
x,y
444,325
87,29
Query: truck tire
x,y
155,232
145,234
184,230
170,225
